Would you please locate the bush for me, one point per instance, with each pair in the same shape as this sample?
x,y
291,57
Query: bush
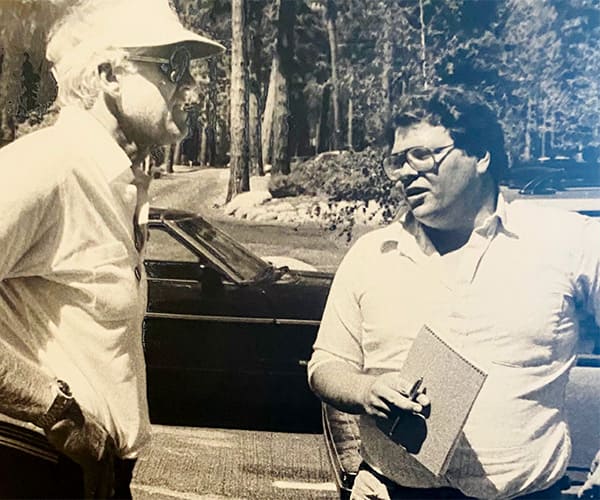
x,y
349,180
344,175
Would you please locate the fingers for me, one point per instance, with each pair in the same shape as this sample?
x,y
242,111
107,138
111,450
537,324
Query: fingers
x,y
99,476
400,400
389,393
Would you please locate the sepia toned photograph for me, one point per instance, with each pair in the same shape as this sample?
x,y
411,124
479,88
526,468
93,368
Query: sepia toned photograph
x,y
300,250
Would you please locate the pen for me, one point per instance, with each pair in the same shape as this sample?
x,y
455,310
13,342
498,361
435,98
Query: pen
x,y
412,395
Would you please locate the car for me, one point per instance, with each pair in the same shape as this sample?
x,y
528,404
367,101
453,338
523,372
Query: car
x,y
575,188
227,335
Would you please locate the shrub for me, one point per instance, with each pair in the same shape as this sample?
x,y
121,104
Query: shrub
x,y
344,175
349,180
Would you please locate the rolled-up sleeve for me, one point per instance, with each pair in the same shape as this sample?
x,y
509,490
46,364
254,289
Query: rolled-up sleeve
x,y
339,336
588,269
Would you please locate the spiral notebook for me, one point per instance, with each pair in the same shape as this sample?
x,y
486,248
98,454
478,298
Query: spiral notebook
x,y
452,383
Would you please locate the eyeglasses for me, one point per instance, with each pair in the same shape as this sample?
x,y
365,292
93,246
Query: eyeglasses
x,y
173,68
420,159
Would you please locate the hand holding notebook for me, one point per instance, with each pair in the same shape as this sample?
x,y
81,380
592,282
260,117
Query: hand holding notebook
x,y
452,384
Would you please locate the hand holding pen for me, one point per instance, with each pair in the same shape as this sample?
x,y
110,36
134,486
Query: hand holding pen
x,y
387,394
412,395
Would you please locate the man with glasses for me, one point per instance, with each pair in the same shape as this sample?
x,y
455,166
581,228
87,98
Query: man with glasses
x,y
502,281
74,207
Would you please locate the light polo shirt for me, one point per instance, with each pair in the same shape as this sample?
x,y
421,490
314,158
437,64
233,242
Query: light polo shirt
x,y
72,284
508,300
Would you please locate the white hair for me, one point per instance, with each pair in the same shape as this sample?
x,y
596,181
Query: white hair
x,y
76,54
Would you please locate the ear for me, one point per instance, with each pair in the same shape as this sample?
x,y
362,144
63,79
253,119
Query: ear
x,y
109,82
483,163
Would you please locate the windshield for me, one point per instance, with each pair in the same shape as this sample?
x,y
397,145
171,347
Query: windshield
x,y
224,249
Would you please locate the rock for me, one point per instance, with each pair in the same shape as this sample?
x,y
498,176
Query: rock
x,y
245,200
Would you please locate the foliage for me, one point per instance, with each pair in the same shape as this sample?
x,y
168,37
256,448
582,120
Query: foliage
x,y
338,176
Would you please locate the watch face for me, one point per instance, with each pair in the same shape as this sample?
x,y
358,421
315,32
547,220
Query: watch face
x,y
64,388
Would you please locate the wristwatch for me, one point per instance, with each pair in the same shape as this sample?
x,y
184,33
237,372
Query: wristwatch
x,y
59,408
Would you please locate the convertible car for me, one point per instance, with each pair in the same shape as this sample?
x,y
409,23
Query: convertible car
x,y
227,334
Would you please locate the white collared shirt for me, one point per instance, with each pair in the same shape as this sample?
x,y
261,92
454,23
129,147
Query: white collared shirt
x,y
72,290
508,301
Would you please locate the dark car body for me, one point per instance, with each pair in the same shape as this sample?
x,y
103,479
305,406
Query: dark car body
x,y
227,335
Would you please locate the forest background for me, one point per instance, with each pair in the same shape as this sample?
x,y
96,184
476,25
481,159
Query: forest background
x,y
300,78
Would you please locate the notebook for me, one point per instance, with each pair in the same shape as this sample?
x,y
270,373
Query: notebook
x,y
452,383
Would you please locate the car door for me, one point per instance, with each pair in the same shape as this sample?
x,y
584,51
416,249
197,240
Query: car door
x,y
200,337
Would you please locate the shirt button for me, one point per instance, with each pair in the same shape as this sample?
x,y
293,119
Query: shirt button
x,y
138,273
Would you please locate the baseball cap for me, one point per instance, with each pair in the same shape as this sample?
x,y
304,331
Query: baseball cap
x,y
149,26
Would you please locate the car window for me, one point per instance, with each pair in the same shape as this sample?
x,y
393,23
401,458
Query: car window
x,y
163,246
224,248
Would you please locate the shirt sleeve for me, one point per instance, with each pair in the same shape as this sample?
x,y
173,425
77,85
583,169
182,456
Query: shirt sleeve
x,y
339,336
29,204
588,270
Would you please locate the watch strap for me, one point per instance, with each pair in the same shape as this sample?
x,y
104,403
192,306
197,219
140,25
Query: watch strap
x,y
63,400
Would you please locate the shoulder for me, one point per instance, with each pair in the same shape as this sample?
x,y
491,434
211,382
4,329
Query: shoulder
x,y
551,226
533,218
36,162
375,242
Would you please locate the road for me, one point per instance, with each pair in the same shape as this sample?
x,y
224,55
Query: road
x,y
211,464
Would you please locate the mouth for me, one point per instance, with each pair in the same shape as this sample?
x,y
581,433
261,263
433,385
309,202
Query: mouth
x,y
412,192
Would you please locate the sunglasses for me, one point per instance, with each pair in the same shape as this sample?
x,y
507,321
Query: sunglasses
x,y
420,158
173,68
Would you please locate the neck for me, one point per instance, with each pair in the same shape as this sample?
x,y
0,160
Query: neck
x,y
453,237
102,112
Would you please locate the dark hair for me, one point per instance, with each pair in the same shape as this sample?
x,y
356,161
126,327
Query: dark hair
x,y
470,120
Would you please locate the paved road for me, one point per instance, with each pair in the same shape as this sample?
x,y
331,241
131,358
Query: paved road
x,y
211,464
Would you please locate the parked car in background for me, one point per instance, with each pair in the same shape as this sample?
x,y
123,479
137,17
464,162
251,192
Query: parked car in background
x,y
574,188
227,335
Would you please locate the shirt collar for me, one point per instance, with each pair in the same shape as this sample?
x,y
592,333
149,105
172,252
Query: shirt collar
x,y
496,222
96,141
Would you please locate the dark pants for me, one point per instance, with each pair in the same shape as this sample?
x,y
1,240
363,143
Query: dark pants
x,y
397,491
31,468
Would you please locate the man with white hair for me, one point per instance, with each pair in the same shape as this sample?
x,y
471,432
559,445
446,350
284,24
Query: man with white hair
x,y
72,286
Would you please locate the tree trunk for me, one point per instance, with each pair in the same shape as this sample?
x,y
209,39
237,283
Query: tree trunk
x,y
331,16
527,150
211,114
239,179
203,149
267,121
423,46
285,52
169,152
386,75
280,156
254,137
323,128
350,120
177,153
